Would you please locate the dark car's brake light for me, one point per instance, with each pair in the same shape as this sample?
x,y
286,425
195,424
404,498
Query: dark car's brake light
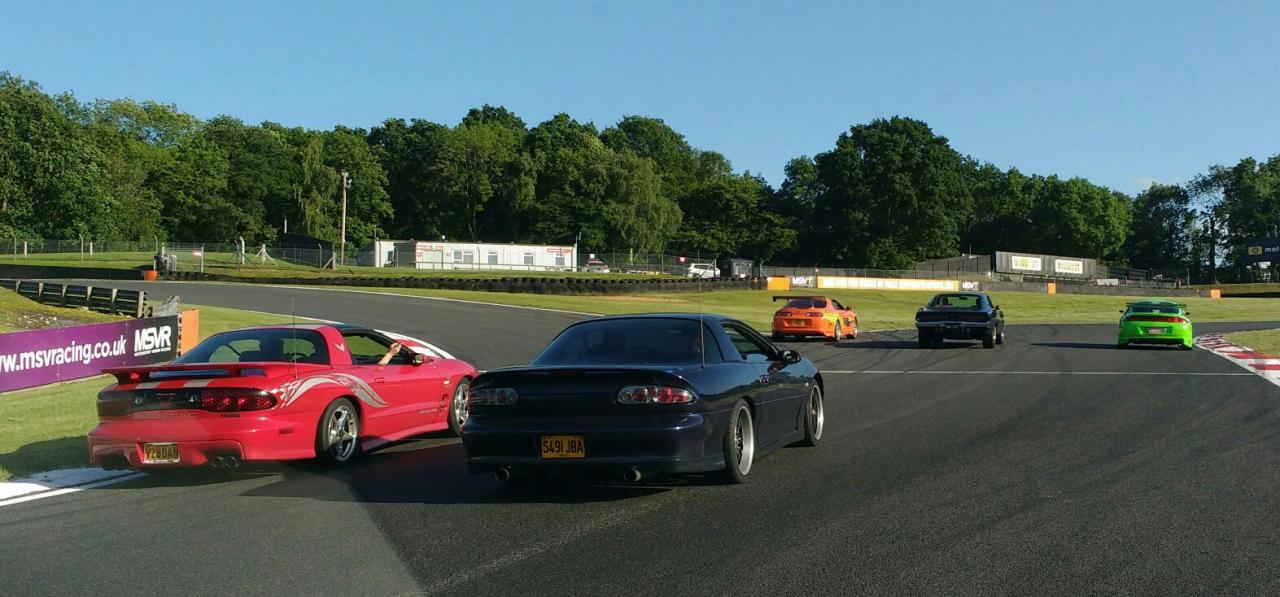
x,y
654,395
1156,318
221,400
492,397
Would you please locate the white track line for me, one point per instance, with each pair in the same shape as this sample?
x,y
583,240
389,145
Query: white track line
x,y
943,372
28,492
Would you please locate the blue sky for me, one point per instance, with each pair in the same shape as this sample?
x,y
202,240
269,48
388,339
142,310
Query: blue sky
x,y
1121,93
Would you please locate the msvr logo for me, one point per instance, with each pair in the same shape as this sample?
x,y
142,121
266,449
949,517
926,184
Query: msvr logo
x,y
152,340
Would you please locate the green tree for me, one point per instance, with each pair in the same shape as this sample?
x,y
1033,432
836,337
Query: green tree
x,y
369,208
1160,232
637,215
893,193
407,151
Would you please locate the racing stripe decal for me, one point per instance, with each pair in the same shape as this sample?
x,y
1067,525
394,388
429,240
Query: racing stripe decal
x,y
293,390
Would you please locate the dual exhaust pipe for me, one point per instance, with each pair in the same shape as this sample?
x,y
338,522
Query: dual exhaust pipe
x,y
225,462
505,475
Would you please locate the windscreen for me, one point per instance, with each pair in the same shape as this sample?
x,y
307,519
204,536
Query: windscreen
x,y
638,341
806,303
260,346
956,301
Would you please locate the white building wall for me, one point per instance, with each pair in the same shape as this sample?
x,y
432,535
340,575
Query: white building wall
x,y
470,256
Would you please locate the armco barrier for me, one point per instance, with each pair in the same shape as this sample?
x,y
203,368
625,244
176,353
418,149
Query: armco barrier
x,y
108,300
45,272
530,285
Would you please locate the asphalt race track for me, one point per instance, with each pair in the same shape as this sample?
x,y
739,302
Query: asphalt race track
x,y
1054,464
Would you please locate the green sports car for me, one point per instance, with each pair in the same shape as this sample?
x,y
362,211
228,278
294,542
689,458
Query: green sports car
x,y
1155,322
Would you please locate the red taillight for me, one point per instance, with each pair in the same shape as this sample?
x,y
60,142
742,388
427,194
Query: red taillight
x,y
654,395
235,400
784,314
813,314
1157,318
492,397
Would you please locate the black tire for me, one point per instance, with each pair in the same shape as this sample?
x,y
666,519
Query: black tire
x,y
838,333
779,337
856,331
458,407
337,449
925,339
1185,347
1122,345
814,418
739,444
1000,336
989,340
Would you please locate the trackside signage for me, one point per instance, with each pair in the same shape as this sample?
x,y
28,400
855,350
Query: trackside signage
x,y
39,357
1262,250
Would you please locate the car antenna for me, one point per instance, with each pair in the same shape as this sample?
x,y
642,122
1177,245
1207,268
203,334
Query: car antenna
x,y
702,328
293,330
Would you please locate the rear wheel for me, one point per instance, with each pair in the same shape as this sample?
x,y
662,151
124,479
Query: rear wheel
x,y
338,434
838,334
779,336
989,340
458,407
739,444
814,418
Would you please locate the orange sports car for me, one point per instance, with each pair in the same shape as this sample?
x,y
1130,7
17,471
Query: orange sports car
x,y
814,316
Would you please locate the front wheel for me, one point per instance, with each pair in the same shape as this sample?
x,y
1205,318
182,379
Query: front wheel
x,y
739,444
1000,336
459,407
925,340
814,418
854,335
338,434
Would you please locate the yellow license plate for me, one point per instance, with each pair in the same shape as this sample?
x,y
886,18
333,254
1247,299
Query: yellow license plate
x,y
166,453
563,446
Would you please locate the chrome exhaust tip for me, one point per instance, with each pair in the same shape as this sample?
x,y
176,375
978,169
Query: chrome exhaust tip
x,y
632,475
217,462
231,461
502,475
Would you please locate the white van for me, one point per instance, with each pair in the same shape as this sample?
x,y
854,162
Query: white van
x,y
702,270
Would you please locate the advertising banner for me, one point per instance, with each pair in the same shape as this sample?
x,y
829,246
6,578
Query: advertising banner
x,y
1261,250
841,282
39,357
1068,266
1024,263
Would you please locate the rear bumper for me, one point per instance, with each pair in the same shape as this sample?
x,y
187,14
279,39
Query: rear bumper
x,y
117,442
789,327
677,443
956,330
1174,334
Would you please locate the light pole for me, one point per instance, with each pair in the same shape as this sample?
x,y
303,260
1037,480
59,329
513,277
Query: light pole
x,y
342,243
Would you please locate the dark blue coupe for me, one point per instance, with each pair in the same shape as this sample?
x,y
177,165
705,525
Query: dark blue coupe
x,y
644,395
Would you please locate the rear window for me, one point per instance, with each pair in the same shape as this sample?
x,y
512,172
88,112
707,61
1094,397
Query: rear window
x,y
1164,309
638,341
956,301
255,346
806,304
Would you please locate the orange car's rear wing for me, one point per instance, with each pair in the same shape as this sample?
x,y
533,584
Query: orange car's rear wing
x,y
811,297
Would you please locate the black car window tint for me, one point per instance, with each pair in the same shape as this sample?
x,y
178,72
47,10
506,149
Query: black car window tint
x,y
258,345
748,348
630,341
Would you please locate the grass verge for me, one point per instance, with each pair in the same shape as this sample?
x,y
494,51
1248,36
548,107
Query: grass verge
x,y
1264,341
20,313
46,426
877,310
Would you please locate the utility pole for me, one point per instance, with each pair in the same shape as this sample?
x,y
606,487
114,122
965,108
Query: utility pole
x,y
1213,249
342,243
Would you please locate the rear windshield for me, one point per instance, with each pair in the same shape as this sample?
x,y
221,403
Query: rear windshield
x,y
805,303
257,346
956,301
1165,309
638,341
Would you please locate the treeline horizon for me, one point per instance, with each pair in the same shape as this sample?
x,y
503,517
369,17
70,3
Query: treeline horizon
x,y
889,193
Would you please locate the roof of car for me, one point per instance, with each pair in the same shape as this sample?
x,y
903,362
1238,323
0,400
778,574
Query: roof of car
x,y
689,316
341,327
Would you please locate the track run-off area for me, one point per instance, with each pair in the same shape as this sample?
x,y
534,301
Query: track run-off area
x,y
1053,464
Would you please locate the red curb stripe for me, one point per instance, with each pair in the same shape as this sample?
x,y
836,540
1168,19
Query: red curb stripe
x,y
1248,355
1266,366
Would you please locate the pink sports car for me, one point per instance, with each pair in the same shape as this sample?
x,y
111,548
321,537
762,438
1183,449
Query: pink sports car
x,y
279,393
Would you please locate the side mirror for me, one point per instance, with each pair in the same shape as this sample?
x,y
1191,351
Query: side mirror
x,y
789,357
418,359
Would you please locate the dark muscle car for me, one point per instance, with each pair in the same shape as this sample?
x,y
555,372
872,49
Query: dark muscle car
x,y
960,316
644,395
